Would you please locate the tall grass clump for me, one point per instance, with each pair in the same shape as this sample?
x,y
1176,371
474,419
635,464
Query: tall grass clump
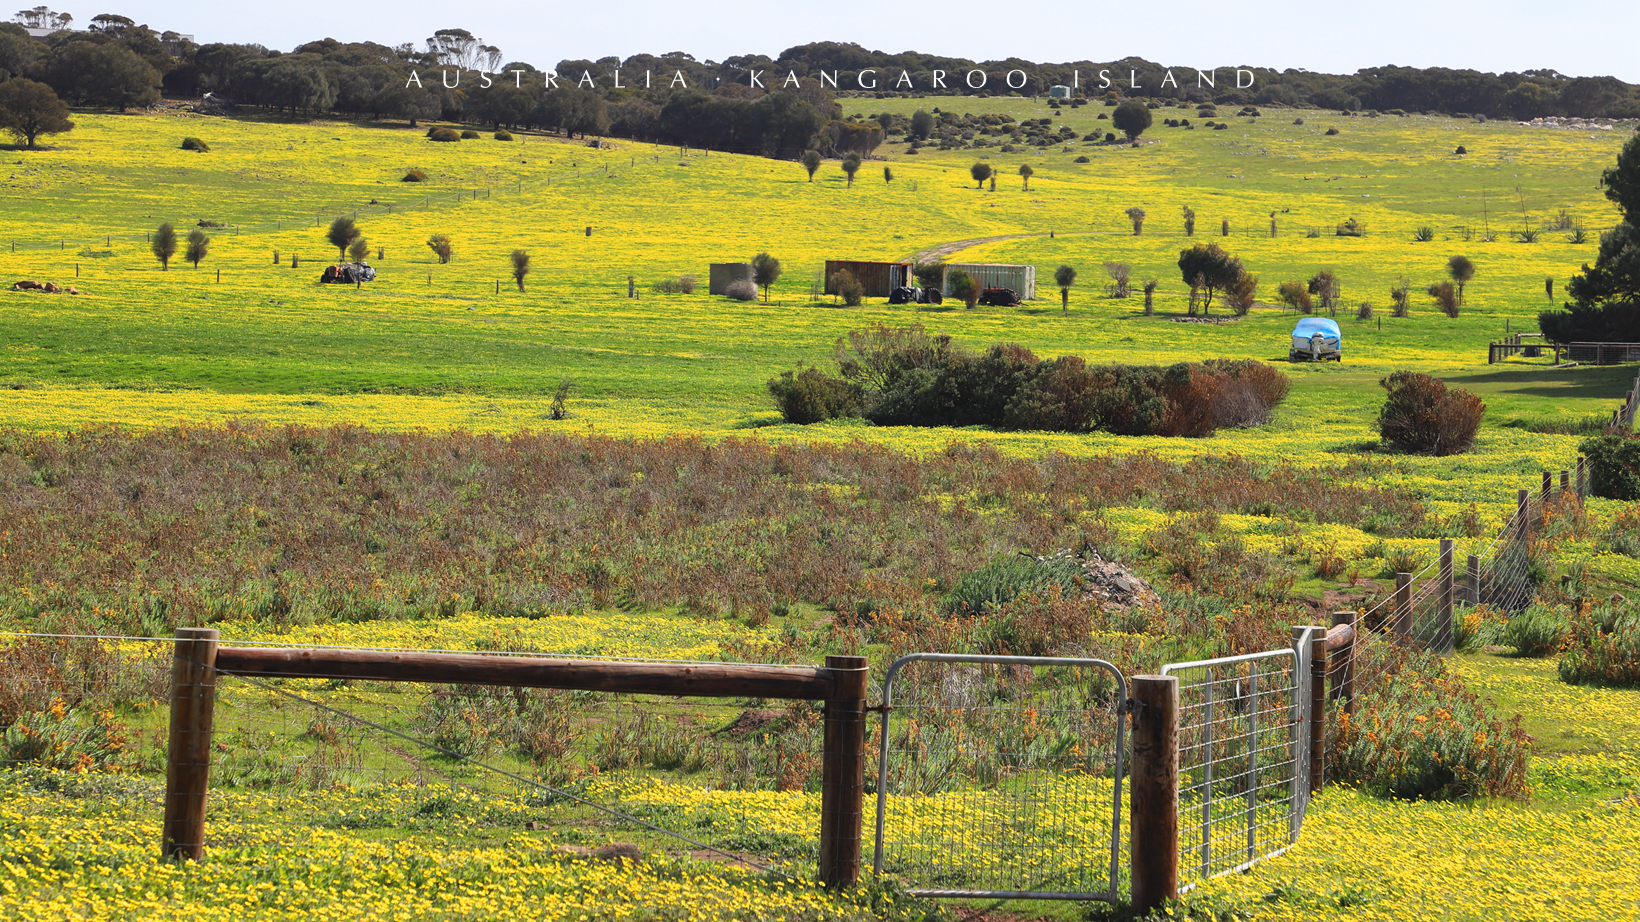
x,y
1010,577
1540,630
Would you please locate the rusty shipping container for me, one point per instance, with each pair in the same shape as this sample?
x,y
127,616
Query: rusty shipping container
x,y
878,278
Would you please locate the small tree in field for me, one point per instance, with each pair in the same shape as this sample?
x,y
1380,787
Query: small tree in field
x,y
811,162
1131,118
1189,221
1462,269
198,246
765,271
343,231
851,165
29,110
922,125
442,246
1325,285
962,286
520,267
888,174
164,245
1026,173
981,172
1137,216
1208,269
359,250
1446,297
1064,277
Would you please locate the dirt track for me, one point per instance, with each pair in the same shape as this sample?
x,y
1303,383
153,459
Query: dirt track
x,y
943,250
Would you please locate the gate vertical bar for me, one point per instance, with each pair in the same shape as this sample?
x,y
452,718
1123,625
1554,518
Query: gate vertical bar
x,y
842,783
1318,708
1207,779
1153,826
188,762
1252,764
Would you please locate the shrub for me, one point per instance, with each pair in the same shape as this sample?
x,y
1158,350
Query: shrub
x,y
1364,312
1330,132
195,144
676,285
415,176
810,396
1082,159
1614,466
1350,228
1422,415
444,134
741,290
1624,535
469,135
844,283
1295,295
1011,576
963,287
503,135
441,245
1540,630
1603,648
560,400
1446,297
1424,234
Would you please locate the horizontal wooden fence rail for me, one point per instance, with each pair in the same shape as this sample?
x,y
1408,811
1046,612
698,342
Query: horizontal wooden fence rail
x,y
841,683
705,680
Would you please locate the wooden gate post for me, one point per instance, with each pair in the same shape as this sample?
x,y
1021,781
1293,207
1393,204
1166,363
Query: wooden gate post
x,y
1153,801
842,780
188,765
1445,639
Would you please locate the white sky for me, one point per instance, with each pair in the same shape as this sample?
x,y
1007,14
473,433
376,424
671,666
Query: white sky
x,y
1575,37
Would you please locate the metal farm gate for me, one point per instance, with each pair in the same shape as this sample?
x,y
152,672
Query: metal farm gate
x,y
1001,777
1244,757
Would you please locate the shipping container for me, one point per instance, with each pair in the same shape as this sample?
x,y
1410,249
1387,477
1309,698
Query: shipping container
x,y
721,274
1022,279
877,278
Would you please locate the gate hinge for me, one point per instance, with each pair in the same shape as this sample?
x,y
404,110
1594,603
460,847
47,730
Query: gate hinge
x,y
1130,706
880,708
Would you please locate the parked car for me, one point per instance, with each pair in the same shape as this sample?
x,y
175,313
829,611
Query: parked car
x,y
1316,339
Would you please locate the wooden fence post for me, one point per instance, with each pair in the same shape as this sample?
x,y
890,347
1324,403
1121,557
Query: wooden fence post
x,y
1343,666
188,765
842,782
1548,485
1153,803
1444,639
1402,625
1472,580
1318,709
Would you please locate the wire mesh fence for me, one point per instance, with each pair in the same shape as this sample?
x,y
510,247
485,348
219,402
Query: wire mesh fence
x,y
1002,777
725,779
1243,759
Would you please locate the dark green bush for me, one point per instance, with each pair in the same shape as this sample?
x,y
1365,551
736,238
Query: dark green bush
x,y
1421,415
196,145
503,135
469,135
444,134
415,176
1614,465
810,396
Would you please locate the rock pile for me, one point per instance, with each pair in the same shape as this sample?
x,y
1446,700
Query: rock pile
x,y
1114,584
